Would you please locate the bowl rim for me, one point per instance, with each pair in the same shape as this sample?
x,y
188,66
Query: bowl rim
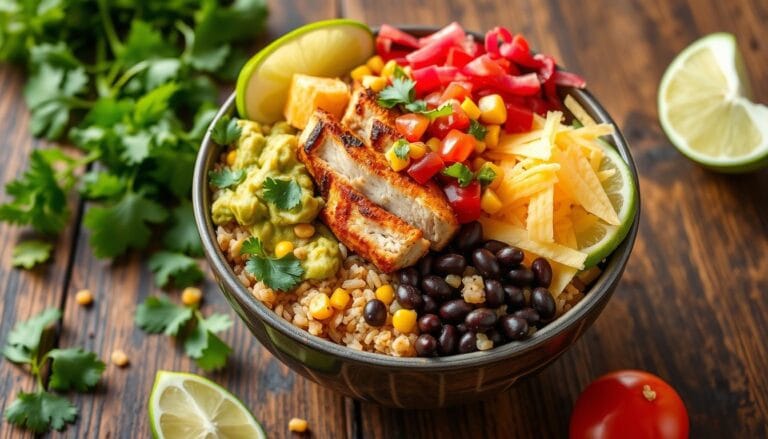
x,y
597,294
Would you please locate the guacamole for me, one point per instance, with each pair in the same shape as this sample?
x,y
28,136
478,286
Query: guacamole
x,y
270,152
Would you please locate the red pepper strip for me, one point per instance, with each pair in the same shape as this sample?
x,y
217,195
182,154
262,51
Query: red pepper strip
x,y
483,67
547,67
429,78
568,79
492,39
472,47
453,32
457,57
385,50
523,85
519,119
433,54
518,51
398,37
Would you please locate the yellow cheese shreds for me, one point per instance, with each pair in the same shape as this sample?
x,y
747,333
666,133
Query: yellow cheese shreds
x,y
577,174
541,213
564,233
561,277
592,132
596,158
507,141
511,191
578,111
517,236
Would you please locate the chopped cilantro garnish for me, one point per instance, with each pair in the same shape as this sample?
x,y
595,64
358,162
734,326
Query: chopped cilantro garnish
x,y
401,91
485,175
226,178
460,172
401,149
443,110
279,274
477,129
285,194
226,131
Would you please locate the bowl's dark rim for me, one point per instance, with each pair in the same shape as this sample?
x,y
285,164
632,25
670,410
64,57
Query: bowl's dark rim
x,y
595,296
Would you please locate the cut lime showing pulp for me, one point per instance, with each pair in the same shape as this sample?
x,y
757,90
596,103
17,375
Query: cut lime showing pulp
x,y
184,405
328,48
705,108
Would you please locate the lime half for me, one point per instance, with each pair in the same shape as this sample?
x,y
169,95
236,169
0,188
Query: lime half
x,y
187,406
596,237
328,48
705,108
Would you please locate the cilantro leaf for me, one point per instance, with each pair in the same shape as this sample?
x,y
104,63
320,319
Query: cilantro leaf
x,y
217,322
460,172
485,175
136,147
183,269
74,369
158,315
240,20
202,344
25,337
50,94
29,253
40,412
101,184
151,107
143,42
285,194
215,354
123,225
417,106
477,129
226,131
401,91
279,274
252,246
401,149
225,177
183,236
443,110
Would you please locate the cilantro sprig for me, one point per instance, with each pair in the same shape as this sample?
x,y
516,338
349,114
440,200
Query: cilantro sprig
x,y
285,194
226,178
460,172
401,148
402,92
477,129
196,333
279,274
71,369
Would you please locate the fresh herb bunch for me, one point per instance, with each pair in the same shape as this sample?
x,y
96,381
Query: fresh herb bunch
x,y
131,84
71,369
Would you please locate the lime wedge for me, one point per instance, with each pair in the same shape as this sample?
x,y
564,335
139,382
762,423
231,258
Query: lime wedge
x,y
328,48
184,405
705,110
596,237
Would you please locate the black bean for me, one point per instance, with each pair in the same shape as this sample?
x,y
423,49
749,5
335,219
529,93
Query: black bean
x,y
495,336
436,287
520,277
530,315
485,263
494,293
454,311
462,328
514,328
429,324
480,319
425,264
468,343
470,236
494,246
542,272
451,263
409,297
509,257
408,276
446,341
426,345
428,305
514,297
375,312
543,303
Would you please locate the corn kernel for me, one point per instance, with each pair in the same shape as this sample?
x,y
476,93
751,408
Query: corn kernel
x,y
386,294
360,71
490,202
434,144
479,146
375,83
340,298
301,253
298,425
389,69
375,63
283,248
320,307
304,231
492,110
119,358
499,174
396,163
404,320
470,108
84,297
492,133
418,150
191,296
477,163
231,157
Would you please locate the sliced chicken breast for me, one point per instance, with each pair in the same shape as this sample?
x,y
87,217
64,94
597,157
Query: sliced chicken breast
x,y
368,120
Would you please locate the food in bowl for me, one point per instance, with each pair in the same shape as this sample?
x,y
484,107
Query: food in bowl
x,y
437,199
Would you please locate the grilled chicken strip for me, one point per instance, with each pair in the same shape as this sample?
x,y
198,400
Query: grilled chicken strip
x,y
366,170
370,121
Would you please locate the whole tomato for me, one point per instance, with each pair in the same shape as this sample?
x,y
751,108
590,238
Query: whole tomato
x,y
629,404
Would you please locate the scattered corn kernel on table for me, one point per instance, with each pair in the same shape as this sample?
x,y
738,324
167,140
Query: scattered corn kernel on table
x,y
691,306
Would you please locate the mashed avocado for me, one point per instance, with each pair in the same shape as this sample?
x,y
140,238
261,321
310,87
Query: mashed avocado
x,y
264,152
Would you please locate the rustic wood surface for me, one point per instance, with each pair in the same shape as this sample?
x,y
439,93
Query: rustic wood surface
x,y
691,306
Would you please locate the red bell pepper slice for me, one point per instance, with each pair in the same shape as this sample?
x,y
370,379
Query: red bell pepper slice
x,y
426,168
457,146
434,54
385,50
522,85
519,119
453,33
547,67
465,201
398,37
492,39
431,77
457,57
519,51
568,79
483,67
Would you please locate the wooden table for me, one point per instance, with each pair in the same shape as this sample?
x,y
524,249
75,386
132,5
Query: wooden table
x,y
692,306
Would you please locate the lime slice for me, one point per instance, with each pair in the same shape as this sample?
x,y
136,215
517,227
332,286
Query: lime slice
x,y
184,405
705,110
328,48
595,237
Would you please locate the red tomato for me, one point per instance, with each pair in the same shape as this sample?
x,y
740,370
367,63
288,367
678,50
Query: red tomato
x,y
433,99
442,125
457,146
456,90
629,404
426,167
465,201
457,57
412,126
519,119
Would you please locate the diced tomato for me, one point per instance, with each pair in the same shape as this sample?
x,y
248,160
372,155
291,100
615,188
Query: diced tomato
x,y
519,119
483,67
426,168
457,120
433,99
453,33
385,50
518,51
433,54
432,77
457,57
412,126
457,146
492,39
465,201
457,90
569,79
397,36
